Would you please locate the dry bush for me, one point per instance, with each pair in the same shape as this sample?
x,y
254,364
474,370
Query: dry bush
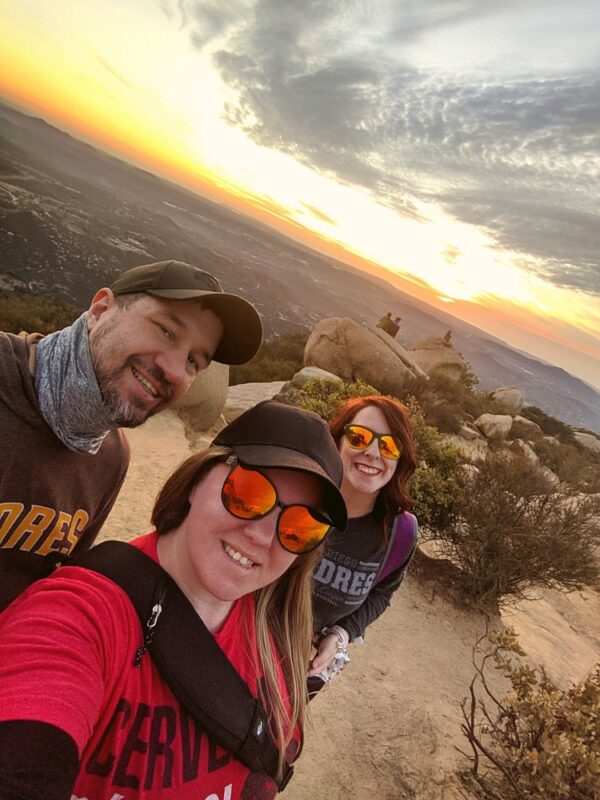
x,y
446,402
536,743
35,314
549,424
278,359
573,463
514,530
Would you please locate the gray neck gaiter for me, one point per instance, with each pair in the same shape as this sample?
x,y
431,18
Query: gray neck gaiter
x,y
67,389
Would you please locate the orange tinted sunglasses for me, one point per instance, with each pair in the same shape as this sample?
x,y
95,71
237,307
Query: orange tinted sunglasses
x,y
248,494
359,438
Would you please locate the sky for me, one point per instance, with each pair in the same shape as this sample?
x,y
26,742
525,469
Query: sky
x,y
454,144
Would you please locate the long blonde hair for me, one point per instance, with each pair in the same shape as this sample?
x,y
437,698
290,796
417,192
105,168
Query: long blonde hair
x,y
283,609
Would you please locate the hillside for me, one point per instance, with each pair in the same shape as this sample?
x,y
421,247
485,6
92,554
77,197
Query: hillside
x,y
71,217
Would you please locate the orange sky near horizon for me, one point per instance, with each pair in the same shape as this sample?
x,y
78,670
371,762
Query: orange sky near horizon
x,y
46,84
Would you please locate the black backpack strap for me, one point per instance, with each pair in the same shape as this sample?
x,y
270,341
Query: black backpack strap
x,y
198,672
19,569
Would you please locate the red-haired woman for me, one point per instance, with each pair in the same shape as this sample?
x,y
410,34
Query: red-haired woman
x,y
364,566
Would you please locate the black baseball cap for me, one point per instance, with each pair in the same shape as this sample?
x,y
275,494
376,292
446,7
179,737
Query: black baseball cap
x,y
272,434
176,280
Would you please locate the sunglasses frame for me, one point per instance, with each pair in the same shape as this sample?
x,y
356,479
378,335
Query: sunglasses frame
x,y
378,436
233,462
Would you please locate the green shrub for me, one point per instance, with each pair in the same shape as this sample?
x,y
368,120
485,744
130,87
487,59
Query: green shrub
x,y
278,359
447,402
513,530
538,742
435,486
35,314
323,397
549,425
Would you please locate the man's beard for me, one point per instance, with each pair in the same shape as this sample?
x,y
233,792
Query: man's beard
x,y
133,413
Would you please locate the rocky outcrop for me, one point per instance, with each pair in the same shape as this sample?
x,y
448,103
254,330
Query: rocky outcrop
x,y
588,440
203,403
528,427
494,426
311,373
468,431
246,395
473,449
436,355
352,352
509,399
526,450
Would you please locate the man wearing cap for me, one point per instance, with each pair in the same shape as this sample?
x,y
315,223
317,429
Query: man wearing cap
x,y
64,398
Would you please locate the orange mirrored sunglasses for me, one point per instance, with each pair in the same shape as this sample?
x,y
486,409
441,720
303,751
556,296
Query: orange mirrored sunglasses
x,y
248,494
359,438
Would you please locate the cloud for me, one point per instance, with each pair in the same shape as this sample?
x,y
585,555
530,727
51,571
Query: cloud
x,y
207,20
330,84
316,212
110,69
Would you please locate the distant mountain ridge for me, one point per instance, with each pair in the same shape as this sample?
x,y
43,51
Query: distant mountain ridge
x,y
71,217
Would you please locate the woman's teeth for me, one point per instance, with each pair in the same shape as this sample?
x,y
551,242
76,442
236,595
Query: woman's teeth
x,y
367,470
238,557
145,383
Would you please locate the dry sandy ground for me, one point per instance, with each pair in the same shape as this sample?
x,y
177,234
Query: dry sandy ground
x,y
389,727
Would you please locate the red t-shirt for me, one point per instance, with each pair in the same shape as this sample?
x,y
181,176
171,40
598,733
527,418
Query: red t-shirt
x,y
67,649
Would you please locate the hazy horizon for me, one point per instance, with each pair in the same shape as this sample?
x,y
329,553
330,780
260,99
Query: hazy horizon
x,y
451,149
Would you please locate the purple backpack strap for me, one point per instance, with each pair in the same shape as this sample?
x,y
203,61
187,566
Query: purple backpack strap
x,y
405,533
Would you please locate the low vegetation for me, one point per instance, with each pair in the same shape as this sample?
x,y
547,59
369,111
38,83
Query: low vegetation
x,y
537,742
447,403
35,314
278,359
575,465
550,425
514,530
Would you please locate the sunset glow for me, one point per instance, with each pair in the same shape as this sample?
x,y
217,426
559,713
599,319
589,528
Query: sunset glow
x,y
151,85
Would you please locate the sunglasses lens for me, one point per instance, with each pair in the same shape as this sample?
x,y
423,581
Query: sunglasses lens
x,y
248,494
388,447
358,438
299,531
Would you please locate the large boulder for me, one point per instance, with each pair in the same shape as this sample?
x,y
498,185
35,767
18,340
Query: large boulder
x,y
527,427
494,426
246,395
473,449
202,404
469,431
588,440
436,355
526,450
352,352
307,374
509,400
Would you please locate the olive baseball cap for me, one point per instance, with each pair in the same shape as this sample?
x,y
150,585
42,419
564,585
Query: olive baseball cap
x,y
176,280
272,434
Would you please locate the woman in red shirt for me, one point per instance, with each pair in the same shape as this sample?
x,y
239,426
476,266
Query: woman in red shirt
x,y
85,712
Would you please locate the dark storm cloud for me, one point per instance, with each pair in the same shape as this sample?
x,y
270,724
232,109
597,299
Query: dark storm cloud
x,y
518,158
